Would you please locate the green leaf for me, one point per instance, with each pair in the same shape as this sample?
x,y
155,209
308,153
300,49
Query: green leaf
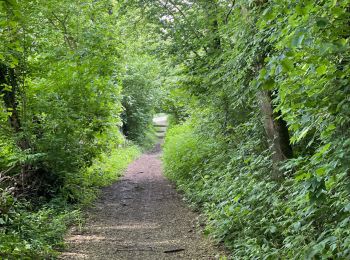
x,y
323,150
322,22
298,40
321,70
342,42
303,134
321,171
302,176
287,65
347,208
268,84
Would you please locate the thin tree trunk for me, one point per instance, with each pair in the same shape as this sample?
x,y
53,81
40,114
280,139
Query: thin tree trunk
x,y
7,78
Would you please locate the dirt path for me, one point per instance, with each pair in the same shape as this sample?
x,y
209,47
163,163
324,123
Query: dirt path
x,y
140,217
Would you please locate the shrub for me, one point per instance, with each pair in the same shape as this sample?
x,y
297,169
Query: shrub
x,y
253,215
37,233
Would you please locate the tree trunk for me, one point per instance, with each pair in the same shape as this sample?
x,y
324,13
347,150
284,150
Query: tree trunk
x,y
8,78
277,133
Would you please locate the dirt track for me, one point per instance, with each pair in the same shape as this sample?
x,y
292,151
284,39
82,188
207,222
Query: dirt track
x,y
140,217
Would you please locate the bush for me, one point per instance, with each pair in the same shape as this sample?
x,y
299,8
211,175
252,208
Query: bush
x,y
29,233
253,215
179,158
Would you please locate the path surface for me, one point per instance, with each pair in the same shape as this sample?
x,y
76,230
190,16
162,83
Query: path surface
x,y
140,217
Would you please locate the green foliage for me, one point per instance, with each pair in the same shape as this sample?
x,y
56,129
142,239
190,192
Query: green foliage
x,y
26,233
140,80
299,51
232,186
73,74
109,166
139,99
178,157
105,170
62,67
63,94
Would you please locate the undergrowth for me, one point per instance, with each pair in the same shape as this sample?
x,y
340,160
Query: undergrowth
x,y
29,231
254,216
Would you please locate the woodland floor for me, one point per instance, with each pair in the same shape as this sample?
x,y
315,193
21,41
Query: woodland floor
x,y
141,217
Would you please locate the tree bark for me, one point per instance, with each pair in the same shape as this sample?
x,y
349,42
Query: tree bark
x,y
275,127
276,131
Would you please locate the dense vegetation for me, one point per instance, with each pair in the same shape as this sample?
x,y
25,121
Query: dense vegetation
x,y
258,92
69,71
265,149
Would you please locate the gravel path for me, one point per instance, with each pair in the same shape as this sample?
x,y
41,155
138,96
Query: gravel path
x,y
140,217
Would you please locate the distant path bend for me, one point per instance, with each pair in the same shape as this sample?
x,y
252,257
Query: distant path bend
x,y
140,217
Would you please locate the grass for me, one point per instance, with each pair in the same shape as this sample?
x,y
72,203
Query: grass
x,y
38,233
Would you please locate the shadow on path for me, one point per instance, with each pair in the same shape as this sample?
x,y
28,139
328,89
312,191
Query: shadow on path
x,y
140,217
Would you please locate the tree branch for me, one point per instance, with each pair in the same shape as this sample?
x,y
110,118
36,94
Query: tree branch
x,y
230,11
4,178
67,38
165,6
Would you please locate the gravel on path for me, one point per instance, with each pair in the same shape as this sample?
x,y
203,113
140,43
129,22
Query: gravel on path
x,y
140,217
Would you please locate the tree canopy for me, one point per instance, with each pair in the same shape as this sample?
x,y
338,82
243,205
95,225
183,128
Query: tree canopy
x,y
257,91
